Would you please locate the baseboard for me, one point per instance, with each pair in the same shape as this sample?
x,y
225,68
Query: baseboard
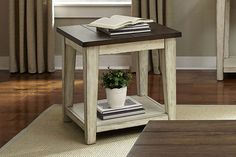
x,y
196,63
124,62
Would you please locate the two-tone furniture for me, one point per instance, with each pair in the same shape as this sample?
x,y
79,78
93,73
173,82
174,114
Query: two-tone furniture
x,y
90,44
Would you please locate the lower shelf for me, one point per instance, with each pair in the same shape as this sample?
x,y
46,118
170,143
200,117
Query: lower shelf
x,y
230,64
153,111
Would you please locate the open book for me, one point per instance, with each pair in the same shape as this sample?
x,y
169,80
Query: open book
x,y
118,21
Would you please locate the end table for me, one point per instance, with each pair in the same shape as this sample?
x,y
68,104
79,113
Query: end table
x,y
90,43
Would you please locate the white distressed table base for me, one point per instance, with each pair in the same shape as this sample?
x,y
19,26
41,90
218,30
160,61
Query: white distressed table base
x,y
153,111
85,114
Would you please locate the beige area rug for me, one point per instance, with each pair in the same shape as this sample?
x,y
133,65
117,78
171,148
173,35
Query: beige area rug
x,y
49,136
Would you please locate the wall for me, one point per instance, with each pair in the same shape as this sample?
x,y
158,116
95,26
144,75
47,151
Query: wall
x,y
196,19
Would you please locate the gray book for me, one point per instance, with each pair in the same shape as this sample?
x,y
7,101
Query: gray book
x,y
141,26
120,114
124,32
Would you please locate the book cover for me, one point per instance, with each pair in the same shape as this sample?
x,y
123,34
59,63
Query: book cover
x,y
120,115
123,109
124,32
129,28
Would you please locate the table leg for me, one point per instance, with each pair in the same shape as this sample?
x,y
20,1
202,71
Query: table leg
x,y
142,73
90,64
163,71
68,75
156,61
170,77
221,10
227,29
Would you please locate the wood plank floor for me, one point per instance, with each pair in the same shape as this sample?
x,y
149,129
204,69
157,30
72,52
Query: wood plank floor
x,y
24,97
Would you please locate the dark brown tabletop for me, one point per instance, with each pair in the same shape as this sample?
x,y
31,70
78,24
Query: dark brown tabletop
x,y
86,36
186,139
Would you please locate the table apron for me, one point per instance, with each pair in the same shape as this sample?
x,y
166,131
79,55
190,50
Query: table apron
x,y
123,47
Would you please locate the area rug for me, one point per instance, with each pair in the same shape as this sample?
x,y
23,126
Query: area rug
x,y
48,136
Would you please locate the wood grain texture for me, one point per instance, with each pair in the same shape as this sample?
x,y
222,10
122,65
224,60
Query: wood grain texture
x,y
131,47
170,77
74,45
86,36
90,68
142,73
156,61
74,117
23,97
192,126
163,74
153,111
68,75
181,151
186,138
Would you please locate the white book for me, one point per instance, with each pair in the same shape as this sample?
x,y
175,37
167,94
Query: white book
x,y
130,103
118,21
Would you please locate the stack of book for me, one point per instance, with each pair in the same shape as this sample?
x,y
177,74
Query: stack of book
x,y
130,29
131,107
119,24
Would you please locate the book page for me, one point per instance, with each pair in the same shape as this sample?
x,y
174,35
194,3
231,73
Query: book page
x,y
109,23
125,18
117,21
130,19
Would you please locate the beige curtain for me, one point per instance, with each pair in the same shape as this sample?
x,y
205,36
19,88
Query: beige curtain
x,y
31,36
153,9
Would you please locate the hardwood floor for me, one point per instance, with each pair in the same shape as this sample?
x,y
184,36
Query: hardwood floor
x,y
24,97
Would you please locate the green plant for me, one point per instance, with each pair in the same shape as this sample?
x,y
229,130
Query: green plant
x,y
116,79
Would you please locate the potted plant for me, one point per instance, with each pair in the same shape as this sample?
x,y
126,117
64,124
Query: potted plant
x,y
115,83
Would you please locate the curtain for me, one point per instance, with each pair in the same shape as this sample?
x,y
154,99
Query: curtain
x,y
31,36
151,9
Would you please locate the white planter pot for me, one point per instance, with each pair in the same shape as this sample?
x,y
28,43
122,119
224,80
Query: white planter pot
x,y
116,97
